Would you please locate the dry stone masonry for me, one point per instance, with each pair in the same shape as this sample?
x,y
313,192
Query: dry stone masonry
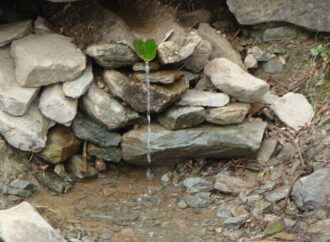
x,y
100,95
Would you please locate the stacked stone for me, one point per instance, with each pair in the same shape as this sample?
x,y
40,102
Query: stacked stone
x,y
44,76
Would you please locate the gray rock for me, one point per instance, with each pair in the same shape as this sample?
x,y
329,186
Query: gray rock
x,y
231,184
182,204
24,184
204,141
182,117
79,86
273,66
170,52
320,229
61,145
267,148
53,182
87,129
202,98
13,31
112,153
198,200
140,66
233,113
107,110
56,106
164,77
38,65
220,45
205,84
112,55
260,54
293,109
80,169
278,194
233,222
200,56
28,132
311,14
197,184
234,81
41,26
14,99
135,93
24,223
312,191
279,33
224,210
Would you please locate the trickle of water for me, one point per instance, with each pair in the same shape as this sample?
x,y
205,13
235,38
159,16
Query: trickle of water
x,y
149,172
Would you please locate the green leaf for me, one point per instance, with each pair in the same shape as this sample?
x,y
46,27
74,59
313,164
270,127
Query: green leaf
x,y
275,227
315,51
145,49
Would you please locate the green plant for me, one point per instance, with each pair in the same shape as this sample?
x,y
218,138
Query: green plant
x,y
145,49
322,51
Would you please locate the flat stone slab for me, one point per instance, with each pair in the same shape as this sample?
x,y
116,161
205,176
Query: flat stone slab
x,y
28,132
24,223
56,106
135,92
293,109
182,117
87,129
105,109
112,55
164,77
204,141
13,31
203,98
233,113
14,99
234,81
111,154
39,65
311,14
79,86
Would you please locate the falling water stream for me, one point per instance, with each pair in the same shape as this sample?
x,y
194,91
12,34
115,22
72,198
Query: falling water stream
x,y
149,172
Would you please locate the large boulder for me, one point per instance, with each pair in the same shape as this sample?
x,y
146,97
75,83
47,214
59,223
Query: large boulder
x,y
104,108
135,92
24,223
28,132
312,14
46,59
61,145
56,106
234,81
14,99
203,141
221,47
13,31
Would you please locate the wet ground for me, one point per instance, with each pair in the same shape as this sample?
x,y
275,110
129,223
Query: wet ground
x,y
114,208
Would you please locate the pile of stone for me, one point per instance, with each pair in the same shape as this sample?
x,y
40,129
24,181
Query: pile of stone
x,y
48,85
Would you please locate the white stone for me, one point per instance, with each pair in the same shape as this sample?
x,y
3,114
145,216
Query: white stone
x,y
42,60
270,98
79,87
203,98
234,81
24,223
14,99
294,110
56,106
170,52
250,61
12,31
28,132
